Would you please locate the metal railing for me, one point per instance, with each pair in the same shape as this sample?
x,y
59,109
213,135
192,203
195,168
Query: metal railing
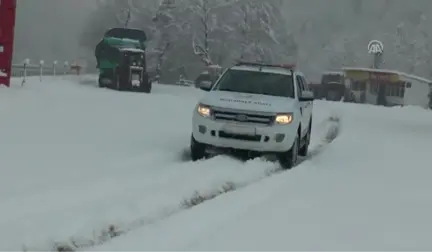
x,y
27,69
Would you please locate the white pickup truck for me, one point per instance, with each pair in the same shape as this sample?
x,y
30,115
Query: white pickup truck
x,y
255,108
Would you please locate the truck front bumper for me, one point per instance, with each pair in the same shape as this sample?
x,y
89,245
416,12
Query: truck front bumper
x,y
243,136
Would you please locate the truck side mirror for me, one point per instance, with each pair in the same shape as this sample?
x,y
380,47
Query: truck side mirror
x,y
306,96
205,85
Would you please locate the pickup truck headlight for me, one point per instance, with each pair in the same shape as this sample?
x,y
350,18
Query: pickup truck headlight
x,y
204,110
284,118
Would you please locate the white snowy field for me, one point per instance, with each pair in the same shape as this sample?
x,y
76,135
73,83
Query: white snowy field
x,y
76,160
369,190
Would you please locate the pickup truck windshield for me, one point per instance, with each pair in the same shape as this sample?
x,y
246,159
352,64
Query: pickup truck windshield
x,y
252,82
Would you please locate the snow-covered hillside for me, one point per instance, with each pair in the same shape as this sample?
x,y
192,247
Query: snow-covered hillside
x,y
78,161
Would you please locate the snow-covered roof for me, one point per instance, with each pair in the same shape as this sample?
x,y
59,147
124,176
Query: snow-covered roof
x,y
130,40
126,49
375,70
364,69
333,72
418,78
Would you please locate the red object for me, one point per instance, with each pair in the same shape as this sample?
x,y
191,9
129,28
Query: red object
x,y
7,27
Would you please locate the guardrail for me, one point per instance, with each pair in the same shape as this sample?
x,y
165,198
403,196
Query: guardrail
x,y
27,69
187,83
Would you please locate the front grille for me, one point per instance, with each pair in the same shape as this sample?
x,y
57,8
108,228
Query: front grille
x,y
243,117
255,138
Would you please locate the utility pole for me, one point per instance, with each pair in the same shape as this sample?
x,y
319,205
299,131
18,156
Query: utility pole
x,y
376,48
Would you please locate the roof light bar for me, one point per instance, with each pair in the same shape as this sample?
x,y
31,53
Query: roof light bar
x,y
285,66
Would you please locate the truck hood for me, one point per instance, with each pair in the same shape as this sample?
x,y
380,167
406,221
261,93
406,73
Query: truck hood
x,y
250,102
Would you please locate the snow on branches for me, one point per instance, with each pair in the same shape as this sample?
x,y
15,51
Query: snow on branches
x,y
255,25
194,33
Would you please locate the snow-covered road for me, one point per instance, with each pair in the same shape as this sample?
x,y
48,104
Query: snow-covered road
x,y
76,159
369,190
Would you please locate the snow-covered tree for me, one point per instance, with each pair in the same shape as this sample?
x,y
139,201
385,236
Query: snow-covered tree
x,y
117,13
164,21
317,35
201,40
211,25
261,32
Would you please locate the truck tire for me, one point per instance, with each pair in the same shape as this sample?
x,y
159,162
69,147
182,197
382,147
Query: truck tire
x,y
305,148
289,159
146,84
119,82
100,82
122,84
103,77
197,150
146,88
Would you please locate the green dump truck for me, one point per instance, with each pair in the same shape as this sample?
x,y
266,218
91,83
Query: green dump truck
x,y
121,60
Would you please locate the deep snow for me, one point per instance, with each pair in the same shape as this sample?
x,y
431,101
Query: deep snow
x,y
369,190
77,159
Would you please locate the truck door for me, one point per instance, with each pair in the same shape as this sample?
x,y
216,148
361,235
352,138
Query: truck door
x,y
303,105
309,107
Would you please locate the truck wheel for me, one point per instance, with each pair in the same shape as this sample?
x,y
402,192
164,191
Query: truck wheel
x,y
114,82
198,150
100,82
146,88
305,148
146,84
118,82
289,159
104,77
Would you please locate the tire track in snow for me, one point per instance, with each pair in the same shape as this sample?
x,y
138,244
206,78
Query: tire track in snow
x,y
330,131
333,127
